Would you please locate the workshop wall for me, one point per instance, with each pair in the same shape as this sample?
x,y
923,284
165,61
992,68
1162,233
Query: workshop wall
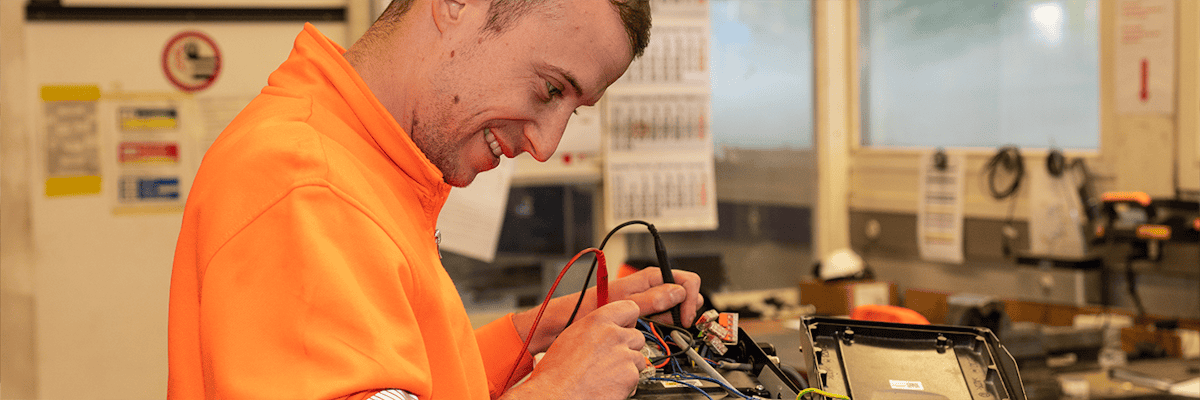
x,y
86,277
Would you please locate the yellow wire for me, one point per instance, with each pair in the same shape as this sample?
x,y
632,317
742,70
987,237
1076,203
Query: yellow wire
x,y
820,392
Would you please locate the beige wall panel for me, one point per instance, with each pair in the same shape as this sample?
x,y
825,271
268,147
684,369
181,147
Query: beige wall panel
x,y
1189,96
17,362
1145,144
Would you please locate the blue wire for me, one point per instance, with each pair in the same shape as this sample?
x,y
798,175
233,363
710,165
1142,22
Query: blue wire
x,y
679,369
685,384
647,333
732,390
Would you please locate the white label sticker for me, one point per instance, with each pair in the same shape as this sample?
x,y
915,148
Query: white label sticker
x,y
907,385
670,384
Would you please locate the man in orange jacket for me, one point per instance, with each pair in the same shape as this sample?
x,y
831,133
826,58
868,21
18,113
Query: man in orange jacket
x,y
307,265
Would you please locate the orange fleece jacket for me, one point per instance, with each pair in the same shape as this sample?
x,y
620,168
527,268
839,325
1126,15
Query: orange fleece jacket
x,y
306,267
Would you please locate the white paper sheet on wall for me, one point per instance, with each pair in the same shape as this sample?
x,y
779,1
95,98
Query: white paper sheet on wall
x,y
674,191
658,151
1055,215
940,209
659,159
1145,57
470,221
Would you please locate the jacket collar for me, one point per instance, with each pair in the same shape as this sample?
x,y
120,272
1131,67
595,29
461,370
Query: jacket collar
x,y
344,88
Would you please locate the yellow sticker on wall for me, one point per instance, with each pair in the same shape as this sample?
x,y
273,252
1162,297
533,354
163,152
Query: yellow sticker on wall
x,y
72,185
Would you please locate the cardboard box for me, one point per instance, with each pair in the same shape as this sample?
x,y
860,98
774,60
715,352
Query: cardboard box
x,y
838,298
933,305
1168,341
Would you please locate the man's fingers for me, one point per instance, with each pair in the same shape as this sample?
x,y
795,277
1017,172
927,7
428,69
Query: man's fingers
x,y
623,313
689,307
691,282
634,339
659,298
686,279
653,277
663,318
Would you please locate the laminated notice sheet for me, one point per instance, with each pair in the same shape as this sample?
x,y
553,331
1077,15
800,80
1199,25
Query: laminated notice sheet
x,y
940,209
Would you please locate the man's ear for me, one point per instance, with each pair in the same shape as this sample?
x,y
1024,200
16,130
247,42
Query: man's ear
x,y
450,13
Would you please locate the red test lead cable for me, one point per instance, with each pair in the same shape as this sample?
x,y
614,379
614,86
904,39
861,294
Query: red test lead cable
x,y
601,300
601,279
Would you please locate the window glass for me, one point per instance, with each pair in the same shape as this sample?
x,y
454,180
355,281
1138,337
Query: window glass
x,y
761,73
971,73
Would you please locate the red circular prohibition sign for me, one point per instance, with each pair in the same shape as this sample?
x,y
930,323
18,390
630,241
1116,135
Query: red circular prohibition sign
x,y
181,84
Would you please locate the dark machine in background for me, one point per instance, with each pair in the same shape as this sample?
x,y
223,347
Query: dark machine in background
x,y
546,221
1131,227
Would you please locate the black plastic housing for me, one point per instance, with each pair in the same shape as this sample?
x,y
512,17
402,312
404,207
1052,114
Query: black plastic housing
x,y
869,360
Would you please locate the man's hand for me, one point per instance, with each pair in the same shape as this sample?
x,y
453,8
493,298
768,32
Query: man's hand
x,y
645,288
597,357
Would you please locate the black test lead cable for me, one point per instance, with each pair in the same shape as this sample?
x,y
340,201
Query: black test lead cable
x,y
1008,159
664,266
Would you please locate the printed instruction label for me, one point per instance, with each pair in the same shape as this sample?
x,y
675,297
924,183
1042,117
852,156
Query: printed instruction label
x,y
907,385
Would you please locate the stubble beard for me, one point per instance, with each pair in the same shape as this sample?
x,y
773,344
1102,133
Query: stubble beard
x,y
439,138
435,142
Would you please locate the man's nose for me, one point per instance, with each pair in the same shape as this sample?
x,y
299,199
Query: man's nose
x,y
546,134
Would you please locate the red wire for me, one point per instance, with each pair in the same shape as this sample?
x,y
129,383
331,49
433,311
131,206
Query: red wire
x,y
657,336
601,279
601,299
664,343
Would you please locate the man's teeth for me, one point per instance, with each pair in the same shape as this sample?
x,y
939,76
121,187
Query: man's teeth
x,y
491,141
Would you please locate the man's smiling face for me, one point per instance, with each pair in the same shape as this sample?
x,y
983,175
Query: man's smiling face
x,y
499,95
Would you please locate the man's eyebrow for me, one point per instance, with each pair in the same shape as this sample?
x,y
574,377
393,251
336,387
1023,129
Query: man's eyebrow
x,y
568,76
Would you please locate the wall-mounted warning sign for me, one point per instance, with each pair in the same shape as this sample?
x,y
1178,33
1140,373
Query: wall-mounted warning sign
x,y
148,189
148,118
148,153
191,61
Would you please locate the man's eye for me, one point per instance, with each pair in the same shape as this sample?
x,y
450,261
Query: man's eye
x,y
552,90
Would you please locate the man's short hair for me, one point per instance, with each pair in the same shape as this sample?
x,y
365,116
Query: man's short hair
x,y
503,14
635,15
